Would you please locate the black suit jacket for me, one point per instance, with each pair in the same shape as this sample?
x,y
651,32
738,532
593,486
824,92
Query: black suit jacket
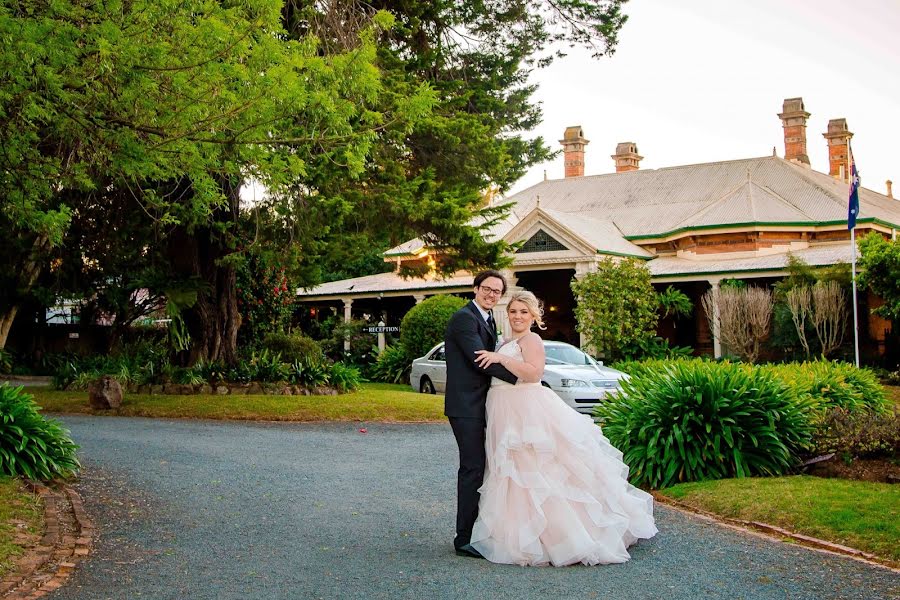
x,y
467,383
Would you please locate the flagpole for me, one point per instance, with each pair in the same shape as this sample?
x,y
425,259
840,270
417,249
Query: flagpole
x,y
855,325
851,223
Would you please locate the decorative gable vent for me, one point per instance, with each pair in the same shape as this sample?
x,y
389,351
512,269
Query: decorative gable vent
x,y
541,242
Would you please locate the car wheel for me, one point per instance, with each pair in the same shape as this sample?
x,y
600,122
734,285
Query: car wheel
x,y
426,387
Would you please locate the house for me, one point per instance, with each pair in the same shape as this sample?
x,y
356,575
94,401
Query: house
x,y
695,225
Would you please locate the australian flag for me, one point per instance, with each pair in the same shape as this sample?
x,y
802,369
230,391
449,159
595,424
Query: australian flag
x,y
853,207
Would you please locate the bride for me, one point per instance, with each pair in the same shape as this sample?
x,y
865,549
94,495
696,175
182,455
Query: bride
x,y
555,491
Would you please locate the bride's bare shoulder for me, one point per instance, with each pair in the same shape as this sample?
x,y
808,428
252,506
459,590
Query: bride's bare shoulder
x,y
531,340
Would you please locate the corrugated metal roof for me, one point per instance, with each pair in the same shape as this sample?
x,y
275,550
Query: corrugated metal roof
x,y
816,256
386,282
603,235
651,202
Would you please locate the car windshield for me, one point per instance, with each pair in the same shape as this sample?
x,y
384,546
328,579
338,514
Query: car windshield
x,y
566,355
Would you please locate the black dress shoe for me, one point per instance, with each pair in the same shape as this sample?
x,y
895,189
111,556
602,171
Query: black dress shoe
x,y
468,550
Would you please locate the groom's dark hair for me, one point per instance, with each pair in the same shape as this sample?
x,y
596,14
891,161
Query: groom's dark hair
x,y
490,273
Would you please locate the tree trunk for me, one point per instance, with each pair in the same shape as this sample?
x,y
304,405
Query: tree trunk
x,y
31,269
6,321
213,321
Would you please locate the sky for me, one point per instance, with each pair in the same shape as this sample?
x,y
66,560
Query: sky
x,y
699,81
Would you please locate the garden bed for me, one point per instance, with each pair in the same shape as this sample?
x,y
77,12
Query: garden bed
x,y
882,470
225,389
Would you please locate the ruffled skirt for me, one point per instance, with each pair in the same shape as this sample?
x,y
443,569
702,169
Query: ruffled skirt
x,y
555,490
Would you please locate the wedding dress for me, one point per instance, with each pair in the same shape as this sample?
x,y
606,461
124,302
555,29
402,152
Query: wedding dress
x,y
555,490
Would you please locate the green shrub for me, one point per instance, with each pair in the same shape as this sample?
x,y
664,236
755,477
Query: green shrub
x,y
636,368
31,445
188,376
6,361
311,374
344,377
654,347
696,420
293,347
833,385
393,365
363,350
213,372
858,435
425,324
139,362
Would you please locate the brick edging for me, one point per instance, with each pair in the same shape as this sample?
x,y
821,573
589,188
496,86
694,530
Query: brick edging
x,y
772,531
67,539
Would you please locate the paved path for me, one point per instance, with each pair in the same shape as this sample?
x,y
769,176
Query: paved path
x,y
211,510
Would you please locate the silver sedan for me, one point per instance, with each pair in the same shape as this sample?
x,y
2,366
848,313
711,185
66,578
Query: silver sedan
x,y
576,377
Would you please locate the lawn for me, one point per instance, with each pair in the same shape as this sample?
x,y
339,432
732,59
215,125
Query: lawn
x,y
21,520
860,514
372,402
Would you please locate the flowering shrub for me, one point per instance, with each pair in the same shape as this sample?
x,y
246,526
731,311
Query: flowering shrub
x,y
265,298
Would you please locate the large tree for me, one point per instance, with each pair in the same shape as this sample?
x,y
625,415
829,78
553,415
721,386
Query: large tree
x,y
879,264
425,179
166,107
364,125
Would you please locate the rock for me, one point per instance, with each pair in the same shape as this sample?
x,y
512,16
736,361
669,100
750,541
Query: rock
x,y
178,389
105,393
254,388
206,389
156,389
285,391
222,390
144,389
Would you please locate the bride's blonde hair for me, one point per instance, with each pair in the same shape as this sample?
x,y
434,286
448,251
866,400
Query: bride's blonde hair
x,y
535,306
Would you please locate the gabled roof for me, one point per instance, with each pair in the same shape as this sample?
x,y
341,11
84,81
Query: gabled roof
x,y
603,235
656,202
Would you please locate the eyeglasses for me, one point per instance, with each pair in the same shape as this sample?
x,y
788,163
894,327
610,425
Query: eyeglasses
x,y
489,291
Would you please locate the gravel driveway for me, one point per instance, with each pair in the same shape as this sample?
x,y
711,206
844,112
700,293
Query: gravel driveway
x,y
221,510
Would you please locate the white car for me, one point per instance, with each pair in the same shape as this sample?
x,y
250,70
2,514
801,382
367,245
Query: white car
x,y
578,379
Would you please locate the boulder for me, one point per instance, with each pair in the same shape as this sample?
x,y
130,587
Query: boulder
x,y
105,393
222,390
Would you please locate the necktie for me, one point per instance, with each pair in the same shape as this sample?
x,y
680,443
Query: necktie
x,y
491,325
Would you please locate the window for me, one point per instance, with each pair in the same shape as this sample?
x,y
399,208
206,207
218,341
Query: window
x,y
541,242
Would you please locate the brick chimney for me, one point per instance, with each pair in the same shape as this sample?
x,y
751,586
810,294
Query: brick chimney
x,y
626,157
890,191
573,143
793,118
838,137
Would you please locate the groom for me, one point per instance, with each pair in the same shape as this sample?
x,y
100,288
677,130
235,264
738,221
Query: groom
x,y
471,328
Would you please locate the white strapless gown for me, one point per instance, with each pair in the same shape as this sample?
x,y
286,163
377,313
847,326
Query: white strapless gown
x,y
555,490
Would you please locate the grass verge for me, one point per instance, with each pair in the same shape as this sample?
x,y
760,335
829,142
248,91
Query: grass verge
x,y
21,519
372,402
860,514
